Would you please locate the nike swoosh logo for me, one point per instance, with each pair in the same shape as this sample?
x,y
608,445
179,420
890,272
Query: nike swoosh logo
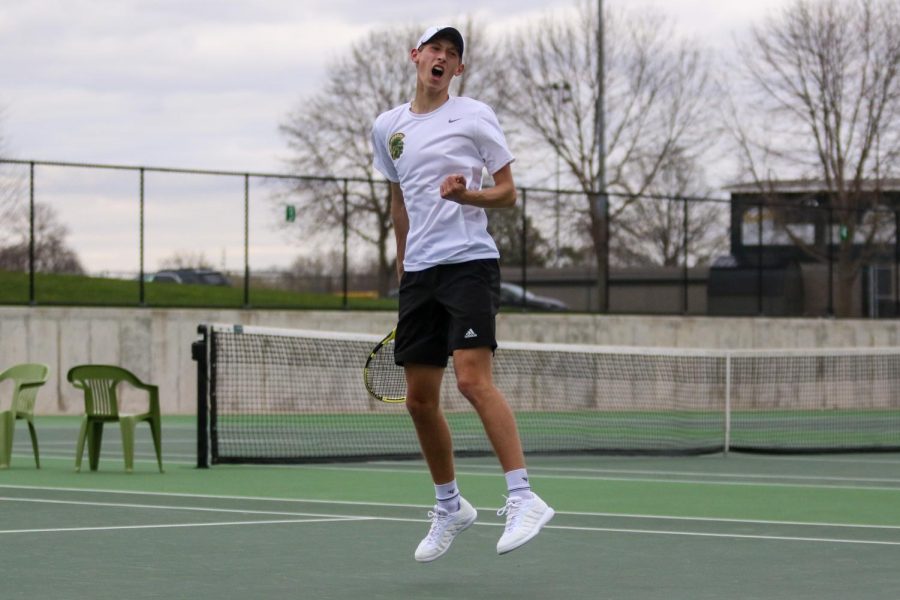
x,y
455,120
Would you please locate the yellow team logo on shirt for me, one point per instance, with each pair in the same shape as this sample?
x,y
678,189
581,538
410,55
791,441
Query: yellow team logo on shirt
x,y
396,145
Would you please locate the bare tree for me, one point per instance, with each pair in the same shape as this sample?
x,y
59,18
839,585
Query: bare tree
x,y
12,191
185,259
820,101
506,227
51,254
654,230
658,91
313,273
329,136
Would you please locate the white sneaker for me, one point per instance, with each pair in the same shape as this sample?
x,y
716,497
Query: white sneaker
x,y
524,519
444,528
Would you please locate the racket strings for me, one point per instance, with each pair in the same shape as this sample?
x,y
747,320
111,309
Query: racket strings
x,y
386,379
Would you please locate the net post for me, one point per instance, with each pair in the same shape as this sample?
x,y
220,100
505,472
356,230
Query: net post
x,y
199,354
727,441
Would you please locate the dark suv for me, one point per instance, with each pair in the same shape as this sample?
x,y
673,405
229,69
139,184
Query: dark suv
x,y
513,296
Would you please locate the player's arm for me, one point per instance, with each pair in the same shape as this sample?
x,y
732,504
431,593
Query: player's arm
x,y
502,195
401,224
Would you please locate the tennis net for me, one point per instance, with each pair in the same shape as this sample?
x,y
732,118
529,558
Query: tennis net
x,y
277,395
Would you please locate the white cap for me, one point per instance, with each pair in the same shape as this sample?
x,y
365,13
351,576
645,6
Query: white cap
x,y
450,33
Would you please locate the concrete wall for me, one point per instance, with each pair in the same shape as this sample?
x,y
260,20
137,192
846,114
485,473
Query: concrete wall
x,y
155,343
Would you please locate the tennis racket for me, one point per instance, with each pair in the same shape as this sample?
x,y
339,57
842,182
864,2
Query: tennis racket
x,y
385,380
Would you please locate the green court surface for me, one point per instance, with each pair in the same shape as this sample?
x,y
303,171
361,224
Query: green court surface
x,y
742,526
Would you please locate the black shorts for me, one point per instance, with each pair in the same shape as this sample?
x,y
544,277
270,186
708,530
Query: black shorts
x,y
445,308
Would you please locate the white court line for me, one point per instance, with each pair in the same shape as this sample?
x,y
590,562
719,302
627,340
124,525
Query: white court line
x,y
856,458
590,470
735,475
417,506
827,459
462,471
374,468
138,457
74,424
418,467
178,525
779,538
24,444
25,452
340,518
727,520
165,507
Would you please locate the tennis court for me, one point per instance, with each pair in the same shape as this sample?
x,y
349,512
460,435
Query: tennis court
x,y
741,526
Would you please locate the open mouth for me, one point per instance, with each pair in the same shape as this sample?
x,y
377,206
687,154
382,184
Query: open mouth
x,y
437,71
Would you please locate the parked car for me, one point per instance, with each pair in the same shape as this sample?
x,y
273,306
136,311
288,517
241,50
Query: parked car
x,y
512,295
191,276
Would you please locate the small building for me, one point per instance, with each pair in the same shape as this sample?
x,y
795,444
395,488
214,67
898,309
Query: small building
x,y
789,238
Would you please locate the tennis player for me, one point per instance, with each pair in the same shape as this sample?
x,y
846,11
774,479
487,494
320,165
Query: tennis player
x,y
433,151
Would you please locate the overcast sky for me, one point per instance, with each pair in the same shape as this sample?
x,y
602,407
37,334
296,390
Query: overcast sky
x,y
204,84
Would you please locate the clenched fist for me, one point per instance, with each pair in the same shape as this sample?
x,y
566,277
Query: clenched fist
x,y
454,188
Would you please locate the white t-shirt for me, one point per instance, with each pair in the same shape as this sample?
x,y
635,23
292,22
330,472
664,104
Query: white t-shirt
x,y
419,152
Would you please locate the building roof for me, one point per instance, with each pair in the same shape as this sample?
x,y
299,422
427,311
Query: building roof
x,y
805,186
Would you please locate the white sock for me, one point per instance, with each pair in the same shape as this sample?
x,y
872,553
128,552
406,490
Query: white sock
x,y
517,484
447,495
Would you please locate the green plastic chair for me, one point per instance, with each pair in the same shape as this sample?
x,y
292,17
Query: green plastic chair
x,y
101,404
27,379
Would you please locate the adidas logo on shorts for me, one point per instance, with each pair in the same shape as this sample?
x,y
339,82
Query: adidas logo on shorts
x,y
470,334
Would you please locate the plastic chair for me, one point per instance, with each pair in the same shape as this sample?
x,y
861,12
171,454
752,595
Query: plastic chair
x,y
101,404
27,379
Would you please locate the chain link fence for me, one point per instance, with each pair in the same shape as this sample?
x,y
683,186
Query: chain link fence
x,y
113,235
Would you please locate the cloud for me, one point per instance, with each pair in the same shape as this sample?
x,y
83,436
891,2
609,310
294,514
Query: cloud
x,y
204,83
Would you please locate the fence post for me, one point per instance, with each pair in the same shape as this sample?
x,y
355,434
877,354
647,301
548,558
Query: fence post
x,y
142,299
759,257
524,247
685,283
246,240
600,227
830,250
896,263
31,294
344,274
604,198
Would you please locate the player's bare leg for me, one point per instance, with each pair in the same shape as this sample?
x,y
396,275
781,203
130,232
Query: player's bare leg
x,y
452,514
475,381
526,513
423,389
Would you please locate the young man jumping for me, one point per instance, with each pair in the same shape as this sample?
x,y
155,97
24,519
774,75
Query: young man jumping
x,y
433,151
